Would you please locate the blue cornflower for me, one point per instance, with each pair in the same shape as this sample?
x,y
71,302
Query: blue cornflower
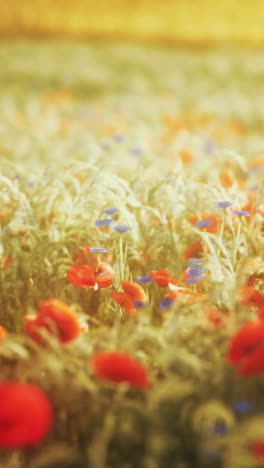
x,y
139,304
242,406
166,302
204,223
224,204
195,271
98,249
194,261
209,146
136,151
103,222
119,138
144,279
194,280
110,211
122,228
241,213
220,428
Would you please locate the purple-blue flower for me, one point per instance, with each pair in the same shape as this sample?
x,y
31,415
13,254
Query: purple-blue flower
x,y
220,428
103,222
110,211
242,406
122,228
195,271
194,261
194,280
136,151
139,304
209,146
98,249
217,243
241,213
119,137
204,223
224,204
166,302
144,279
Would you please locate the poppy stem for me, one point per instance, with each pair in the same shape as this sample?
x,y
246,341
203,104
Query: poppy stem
x,y
237,237
221,233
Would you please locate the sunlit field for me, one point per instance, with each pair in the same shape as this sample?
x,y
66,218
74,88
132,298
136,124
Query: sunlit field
x,y
186,21
131,255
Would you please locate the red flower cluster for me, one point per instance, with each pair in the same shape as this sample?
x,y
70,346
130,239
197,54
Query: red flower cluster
x,y
246,349
3,332
162,278
217,317
26,415
132,292
119,367
257,449
87,277
194,250
189,296
251,297
56,317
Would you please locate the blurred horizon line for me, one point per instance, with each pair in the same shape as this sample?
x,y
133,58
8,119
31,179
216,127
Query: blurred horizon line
x,y
185,22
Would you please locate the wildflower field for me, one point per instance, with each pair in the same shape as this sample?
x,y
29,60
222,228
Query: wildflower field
x,y
131,256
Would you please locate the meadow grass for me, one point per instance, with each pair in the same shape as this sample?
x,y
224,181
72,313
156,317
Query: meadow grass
x,y
150,131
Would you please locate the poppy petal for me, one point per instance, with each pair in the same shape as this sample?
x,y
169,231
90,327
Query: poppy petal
x,y
119,367
134,290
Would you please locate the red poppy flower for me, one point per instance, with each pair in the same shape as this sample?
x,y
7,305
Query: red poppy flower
x,y
87,277
184,293
104,275
193,251
85,255
226,178
217,317
3,332
257,449
132,292
251,297
6,262
26,415
261,313
56,317
246,349
162,278
118,367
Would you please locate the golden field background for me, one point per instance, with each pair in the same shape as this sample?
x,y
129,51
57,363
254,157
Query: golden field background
x,y
190,21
